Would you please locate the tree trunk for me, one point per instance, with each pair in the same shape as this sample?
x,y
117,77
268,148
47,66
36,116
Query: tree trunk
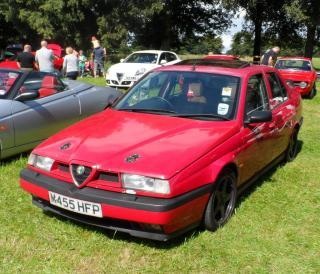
x,y
311,33
257,31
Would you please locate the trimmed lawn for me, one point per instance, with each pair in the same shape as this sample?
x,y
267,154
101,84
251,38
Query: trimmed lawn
x,y
275,228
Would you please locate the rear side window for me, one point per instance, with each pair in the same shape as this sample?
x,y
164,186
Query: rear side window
x,y
256,97
170,57
278,90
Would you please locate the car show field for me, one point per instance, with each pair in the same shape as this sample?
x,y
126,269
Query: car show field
x,y
275,227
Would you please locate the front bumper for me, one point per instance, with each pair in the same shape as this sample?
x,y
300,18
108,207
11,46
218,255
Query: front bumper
x,y
124,83
128,213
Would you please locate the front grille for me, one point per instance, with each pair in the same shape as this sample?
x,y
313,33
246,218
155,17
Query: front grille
x,y
119,76
80,178
109,177
63,167
114,82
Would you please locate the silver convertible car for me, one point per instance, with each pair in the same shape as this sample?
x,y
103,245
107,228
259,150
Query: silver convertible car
x,y
34,105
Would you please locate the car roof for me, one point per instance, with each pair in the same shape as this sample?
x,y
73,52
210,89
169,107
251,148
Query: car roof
x,y
294,58
152,51
230,67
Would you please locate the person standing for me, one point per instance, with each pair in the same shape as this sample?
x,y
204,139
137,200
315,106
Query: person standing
x,y
82,63
70,64
270,56
26,60
98,55
44,58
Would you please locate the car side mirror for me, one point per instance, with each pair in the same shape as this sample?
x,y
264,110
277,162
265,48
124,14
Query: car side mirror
x,y
259,116
27,95
163,61
121,60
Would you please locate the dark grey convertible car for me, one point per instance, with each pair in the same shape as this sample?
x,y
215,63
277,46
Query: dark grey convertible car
x,y
34,105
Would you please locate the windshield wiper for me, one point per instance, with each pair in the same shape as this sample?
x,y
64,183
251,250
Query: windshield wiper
x,y
148,110
203,116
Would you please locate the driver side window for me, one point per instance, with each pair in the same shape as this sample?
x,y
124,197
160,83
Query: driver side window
x,y
256,97
278,90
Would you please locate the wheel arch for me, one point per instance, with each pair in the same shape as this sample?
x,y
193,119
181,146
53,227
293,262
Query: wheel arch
x,y
218,167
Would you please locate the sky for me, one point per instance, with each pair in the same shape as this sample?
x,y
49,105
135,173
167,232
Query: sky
x,y
236,27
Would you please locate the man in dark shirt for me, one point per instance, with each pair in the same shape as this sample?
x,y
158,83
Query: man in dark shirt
x,y
98,60
270,56
25,59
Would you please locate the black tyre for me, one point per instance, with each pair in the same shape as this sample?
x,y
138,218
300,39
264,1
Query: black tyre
x,y
313,92
222,201
292,149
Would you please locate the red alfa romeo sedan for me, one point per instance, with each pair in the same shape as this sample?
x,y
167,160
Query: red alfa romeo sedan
x,y
173,153
300,73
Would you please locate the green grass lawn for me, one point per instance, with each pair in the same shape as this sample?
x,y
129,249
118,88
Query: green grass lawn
x,y
275,228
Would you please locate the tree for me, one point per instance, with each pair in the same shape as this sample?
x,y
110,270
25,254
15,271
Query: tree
x,y
118,24
242,44
306,13
202,45
260,15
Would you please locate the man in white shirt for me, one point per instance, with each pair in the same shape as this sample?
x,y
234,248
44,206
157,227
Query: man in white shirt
x,y
44,58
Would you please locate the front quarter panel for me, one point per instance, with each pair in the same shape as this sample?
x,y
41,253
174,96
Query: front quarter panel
x,y
207,169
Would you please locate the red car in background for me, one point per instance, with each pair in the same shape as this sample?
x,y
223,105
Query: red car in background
x,y
9,64
299,72
173,153
58,51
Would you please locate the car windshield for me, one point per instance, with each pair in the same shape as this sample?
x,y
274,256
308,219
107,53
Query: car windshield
x,y
192,95
142,58
7,80
294,65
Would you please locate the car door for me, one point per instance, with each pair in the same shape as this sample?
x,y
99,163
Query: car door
x,y
257,138
282,112
35,120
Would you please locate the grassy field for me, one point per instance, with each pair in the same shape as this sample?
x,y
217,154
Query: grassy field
x,y
275,228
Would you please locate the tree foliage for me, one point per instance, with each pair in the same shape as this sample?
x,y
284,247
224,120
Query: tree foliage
x,y
159,24
306,13
182,25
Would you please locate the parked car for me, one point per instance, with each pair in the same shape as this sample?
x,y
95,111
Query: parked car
x,y
58,53
299,72
173,153
34,105
12,51
130,69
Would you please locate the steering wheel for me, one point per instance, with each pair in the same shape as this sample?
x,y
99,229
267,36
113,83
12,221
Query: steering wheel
x,y
165,101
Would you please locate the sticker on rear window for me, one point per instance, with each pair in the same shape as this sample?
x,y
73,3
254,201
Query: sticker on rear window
x,y
226,91
223,109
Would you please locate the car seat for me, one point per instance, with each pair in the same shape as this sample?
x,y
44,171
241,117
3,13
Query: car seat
x,y
48,86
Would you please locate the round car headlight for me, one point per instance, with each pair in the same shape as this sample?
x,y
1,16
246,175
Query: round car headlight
x,y
303,84
138,182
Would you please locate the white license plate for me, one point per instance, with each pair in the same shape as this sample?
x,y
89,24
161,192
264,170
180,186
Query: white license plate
x,y
75,205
